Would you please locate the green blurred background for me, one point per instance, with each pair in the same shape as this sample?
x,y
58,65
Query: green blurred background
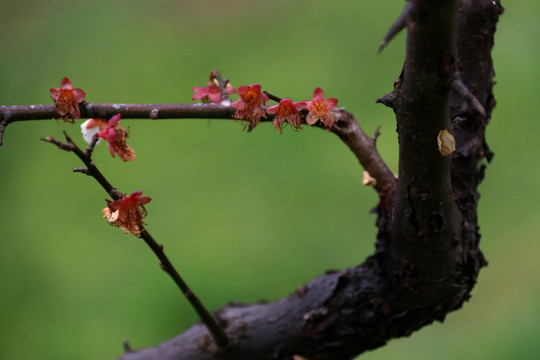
x,y
244,217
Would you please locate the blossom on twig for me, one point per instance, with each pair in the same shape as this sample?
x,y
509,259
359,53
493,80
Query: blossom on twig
x,y
319,108
91,128
116,136
286,111
249,105
66,100
127,213
211,92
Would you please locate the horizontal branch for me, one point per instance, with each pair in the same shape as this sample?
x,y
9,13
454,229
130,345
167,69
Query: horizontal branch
x,y
128,111
346,126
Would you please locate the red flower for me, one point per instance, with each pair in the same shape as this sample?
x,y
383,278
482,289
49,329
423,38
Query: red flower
x,y
248,107
91,128
127,213
116,136
288,111
211,92
66,100
319,108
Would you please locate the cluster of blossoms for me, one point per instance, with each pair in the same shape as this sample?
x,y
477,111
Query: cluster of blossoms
x,y
66,101
127,213
249,106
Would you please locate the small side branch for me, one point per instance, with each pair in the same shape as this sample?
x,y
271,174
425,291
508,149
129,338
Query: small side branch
x,y
459,87
363,147
91,170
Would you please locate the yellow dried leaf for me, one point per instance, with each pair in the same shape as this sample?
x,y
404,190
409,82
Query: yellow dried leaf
x,y
446,143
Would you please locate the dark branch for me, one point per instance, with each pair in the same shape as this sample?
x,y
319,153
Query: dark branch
x,y
463,91
427,255
128,111
363,147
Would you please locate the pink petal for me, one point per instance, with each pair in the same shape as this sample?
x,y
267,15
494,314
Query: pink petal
x,y
66,84
310,120
79,95
229,89
111,149
300,105
285,101
272,109
116,118
214,97
242,89
55,93
318,94
331,102
198,96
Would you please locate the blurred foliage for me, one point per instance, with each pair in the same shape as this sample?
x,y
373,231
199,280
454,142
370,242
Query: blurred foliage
x,y
244,217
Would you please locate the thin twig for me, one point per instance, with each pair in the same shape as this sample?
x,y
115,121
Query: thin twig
x,y
459,87
91,170
273,97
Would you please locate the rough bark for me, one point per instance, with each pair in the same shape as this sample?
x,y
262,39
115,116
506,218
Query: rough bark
x,y
427,258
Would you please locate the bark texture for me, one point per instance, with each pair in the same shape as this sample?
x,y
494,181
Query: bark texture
x,y
427,258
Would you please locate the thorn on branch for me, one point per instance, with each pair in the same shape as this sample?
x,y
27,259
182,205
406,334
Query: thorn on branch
x,y
154,114
462,90
387,100
397,26
127,346
375,135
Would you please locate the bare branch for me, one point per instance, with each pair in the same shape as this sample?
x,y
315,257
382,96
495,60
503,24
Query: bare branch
x,y
128,111
363,147
463,91
91,170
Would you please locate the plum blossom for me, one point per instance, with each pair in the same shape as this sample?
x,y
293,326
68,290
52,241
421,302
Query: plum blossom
x,y
91,128
249,105
211,92
287,111
127,213
319,108
66,100
116,136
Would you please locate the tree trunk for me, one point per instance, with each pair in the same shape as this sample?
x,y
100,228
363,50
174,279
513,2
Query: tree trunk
x,y
427,258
